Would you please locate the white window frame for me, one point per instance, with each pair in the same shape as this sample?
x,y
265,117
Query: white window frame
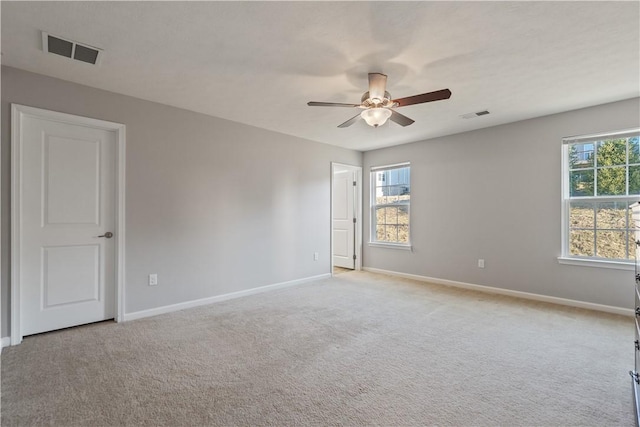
x,y
372,209
566,257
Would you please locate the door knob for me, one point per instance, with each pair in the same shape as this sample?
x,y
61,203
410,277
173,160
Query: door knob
x,y
108,235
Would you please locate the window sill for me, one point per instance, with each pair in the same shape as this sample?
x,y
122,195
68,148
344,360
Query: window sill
x,y
391,246
617,265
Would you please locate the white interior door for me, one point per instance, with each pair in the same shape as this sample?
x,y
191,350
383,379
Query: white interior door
x,y
67,201
343,217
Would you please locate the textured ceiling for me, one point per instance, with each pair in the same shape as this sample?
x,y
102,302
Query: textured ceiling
x,y
260,62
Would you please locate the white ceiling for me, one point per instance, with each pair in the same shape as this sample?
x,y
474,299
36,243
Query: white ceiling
x,y
260,62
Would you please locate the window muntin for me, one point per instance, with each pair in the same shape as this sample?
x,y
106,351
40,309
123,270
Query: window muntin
x,y
390,203
602,178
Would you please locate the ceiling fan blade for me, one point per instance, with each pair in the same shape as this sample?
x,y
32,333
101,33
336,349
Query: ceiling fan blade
x,y
425,97
400,119
330,104
377,85
351,121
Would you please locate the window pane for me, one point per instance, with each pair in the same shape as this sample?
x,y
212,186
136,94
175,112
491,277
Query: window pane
x,y
634,150
611,215
611,244
633,222
397,193
582,183
403,215
581,215
581,243
632,245
391,233
403,234
380,232
380,215
391,216
398,176
392,190
581,155
634,179
611,152
611,181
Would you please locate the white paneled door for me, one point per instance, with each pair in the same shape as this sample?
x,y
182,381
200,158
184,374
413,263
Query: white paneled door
x,y
67,218
344,217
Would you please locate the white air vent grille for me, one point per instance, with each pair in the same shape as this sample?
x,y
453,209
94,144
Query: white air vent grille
x,y
474,115
70,49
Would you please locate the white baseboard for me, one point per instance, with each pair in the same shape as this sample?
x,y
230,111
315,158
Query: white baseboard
x,y
218,298
508,292
6,342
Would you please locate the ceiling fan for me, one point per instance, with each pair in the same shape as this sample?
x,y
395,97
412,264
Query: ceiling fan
x,y
377,103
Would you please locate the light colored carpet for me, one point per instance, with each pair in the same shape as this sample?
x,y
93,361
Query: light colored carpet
x,y
358,349
340,270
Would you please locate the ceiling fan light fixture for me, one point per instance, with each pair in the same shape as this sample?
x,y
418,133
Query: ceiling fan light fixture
x,y
376,116
377,103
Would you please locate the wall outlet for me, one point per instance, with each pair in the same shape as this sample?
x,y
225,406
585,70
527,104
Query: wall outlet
x,y
315,256
153,279
481,263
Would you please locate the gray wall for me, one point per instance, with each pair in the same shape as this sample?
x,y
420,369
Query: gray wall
x,y
496,194
213,206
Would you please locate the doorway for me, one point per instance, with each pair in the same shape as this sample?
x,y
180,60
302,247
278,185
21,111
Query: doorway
x,y
67,206
346,217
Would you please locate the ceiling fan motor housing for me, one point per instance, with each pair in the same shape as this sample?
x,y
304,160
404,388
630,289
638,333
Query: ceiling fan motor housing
x,y
367,102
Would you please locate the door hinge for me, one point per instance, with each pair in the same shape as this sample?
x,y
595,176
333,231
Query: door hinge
x,y
354,220
637,343
355,183
354,257
635,377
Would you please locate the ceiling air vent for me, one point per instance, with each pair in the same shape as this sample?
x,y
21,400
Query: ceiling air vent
x,y
474,115
70,49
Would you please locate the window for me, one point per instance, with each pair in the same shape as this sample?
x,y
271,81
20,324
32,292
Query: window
x,y
390,200
601,179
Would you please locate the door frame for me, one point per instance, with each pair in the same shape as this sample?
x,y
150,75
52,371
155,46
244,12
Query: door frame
x,y
18,114
357,210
